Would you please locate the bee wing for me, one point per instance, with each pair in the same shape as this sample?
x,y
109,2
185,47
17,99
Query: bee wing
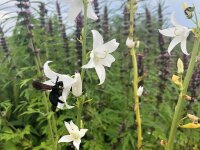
x,y
40,86
49,82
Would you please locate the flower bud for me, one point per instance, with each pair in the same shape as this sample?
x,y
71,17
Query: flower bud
x,y
77,85
132,44
193,118
176,80
140,91
191,126
180,66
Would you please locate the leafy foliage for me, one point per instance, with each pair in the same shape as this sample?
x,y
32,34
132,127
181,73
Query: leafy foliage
x,y
108,113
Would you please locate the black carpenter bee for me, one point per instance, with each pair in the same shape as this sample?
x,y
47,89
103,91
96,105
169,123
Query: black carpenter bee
x,y
56,91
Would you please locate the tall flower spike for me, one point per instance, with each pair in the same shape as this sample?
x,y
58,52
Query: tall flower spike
x,y
75,134
100,55
76,6
67,83
179,33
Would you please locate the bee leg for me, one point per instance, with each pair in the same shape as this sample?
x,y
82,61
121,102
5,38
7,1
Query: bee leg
x,y
60,101
53,108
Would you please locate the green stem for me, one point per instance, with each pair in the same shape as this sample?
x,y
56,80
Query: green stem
x,y
135,80
84,42
79,111
49,122
180,105
84,36
136,99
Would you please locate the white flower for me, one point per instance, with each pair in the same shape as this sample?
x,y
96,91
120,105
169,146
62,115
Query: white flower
x,y
76,6
140,91
100,55
179,33
75,134
67,83
77,85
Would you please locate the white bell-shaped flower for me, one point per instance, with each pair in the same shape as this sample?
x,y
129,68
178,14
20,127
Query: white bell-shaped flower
x,y
76,6
179,34
100,56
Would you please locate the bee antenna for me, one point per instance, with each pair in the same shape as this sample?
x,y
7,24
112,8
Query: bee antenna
x,y
57,79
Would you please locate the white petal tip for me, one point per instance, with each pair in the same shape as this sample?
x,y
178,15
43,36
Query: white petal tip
x,y
100,83
187,54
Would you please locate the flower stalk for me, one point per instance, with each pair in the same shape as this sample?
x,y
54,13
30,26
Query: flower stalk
x,y
80,102
84,42
136,99
133,7
84,36
181,101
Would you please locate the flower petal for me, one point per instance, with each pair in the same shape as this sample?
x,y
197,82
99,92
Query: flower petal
x,y
173,43
170,32
67,125
68,106
65,93
110,46
90,12
97,39
100,72
49,73
65,138
60,105
76,7
73,126
107,61
140,91
67,80
183,47
90,64
77,86
82,132
77,143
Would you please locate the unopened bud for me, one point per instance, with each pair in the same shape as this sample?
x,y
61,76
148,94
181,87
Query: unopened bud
x,y
162,142
132,44
176,80
193,118
180,66
186,97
